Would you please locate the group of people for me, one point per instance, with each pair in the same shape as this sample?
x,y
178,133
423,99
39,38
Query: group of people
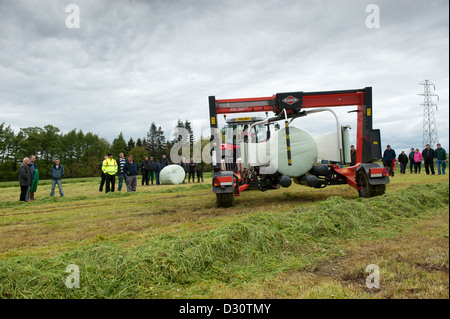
x,y
127,170
29,178
192,168
415,158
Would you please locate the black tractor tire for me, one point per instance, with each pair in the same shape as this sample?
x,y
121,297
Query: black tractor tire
x,y
369,190
225,200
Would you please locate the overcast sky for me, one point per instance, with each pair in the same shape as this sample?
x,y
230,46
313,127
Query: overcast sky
x,y
131,63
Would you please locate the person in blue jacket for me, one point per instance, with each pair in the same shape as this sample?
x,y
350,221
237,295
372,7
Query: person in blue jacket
x,y
57,172
157,168
388,159
131,170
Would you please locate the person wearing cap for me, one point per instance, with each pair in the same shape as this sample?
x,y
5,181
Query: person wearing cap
x,y
131,170
428,158
441,157
388,159
110,169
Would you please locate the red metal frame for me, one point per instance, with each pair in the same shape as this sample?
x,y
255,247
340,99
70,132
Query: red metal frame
x,y
361,98
309,101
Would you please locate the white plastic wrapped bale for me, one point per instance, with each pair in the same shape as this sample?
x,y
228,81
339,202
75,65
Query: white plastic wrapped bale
x,y
303,152
172,175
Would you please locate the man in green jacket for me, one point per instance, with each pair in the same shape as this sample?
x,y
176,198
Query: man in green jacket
x,y
441,157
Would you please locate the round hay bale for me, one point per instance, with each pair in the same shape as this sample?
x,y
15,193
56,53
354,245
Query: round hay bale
x,y
172,175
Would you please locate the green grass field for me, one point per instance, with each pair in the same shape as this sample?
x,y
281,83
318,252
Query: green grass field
x,y
172,242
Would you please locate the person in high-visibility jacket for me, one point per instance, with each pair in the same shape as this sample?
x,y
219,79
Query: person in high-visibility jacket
x,y
109,168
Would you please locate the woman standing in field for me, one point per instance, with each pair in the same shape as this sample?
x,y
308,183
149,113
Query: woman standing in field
x,y
34,177
417,161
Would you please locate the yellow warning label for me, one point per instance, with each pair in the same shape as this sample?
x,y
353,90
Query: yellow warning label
x,y
213,120
289,161
376,142
288,137
369,112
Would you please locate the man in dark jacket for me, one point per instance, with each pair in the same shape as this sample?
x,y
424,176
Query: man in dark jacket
x,y
388,159
411,159
403,160
145,169
164,161
103,176
191,169
131,170
428,158
57,172
24,179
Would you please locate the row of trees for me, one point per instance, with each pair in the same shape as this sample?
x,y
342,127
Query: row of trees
x,y
81,153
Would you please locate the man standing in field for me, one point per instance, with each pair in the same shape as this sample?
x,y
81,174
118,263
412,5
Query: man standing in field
x,y
121,162
403,160
57,172
145,169
388,159
164,161
441,157
411,160
428,158
191,169
110,169
131,170
24,179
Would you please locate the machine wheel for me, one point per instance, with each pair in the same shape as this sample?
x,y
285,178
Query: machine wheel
x,y
369,190
225,200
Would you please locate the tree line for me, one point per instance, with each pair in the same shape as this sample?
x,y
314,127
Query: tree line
x,y
79,152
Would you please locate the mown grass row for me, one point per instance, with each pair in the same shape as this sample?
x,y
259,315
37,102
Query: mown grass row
x,y
250,249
